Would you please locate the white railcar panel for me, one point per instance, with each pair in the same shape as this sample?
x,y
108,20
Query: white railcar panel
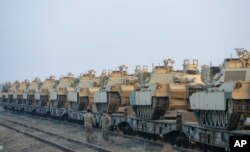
x,y
72,96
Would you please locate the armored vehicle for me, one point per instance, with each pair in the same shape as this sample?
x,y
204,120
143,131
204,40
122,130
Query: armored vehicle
x,y
225,103
43,96
83,95
113,97
59,100
152,99
185,83
167,91
30,105
4,93
21,95
12,95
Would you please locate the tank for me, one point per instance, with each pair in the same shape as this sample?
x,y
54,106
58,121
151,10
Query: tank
x,y
113,97
4,93
225,102
44,95
22,95
151,100
185,83
59,98
166,92
30,105
83,95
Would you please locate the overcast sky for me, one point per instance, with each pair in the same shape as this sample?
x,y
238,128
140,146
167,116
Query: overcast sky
x,y
45,37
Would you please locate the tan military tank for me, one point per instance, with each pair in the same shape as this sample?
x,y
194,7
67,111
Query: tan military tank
x,y
12,95
59,101
43,95
226,101
152,99
21,95
4,93
166,92
30,105
185,83
83,96
114,95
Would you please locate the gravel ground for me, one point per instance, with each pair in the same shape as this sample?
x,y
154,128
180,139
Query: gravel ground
x,y
116,143
11,141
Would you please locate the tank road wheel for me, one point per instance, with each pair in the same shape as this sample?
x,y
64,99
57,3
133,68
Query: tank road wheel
x,y
230,106
202,117
214,117
207,117
144,111
139,111
224,118
220,118
211,118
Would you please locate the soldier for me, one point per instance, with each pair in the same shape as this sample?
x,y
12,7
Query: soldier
x,y
106,123
89,122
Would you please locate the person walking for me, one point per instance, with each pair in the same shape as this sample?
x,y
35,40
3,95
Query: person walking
x,y
106,123
89,123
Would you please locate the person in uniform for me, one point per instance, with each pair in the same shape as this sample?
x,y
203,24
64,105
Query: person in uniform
x,y
106,123
89,123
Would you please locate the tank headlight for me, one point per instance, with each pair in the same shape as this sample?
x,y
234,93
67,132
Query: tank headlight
x,y
238,85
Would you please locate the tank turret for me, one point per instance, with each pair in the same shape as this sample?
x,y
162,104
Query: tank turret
x,y
225,103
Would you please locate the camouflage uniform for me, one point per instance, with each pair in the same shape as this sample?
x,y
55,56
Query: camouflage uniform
x,y
106,123
89,122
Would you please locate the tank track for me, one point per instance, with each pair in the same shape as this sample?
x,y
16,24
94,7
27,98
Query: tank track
x,y
232,118
84,102
155,111
240,111
112,105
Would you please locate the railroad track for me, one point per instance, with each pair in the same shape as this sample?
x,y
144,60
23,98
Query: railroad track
x,y
137,138
96,129
62,142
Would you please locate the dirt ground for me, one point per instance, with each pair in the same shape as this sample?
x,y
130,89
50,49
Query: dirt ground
x,y
11,141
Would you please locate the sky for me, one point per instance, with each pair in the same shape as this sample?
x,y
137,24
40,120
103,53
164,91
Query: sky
x,y
39,38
